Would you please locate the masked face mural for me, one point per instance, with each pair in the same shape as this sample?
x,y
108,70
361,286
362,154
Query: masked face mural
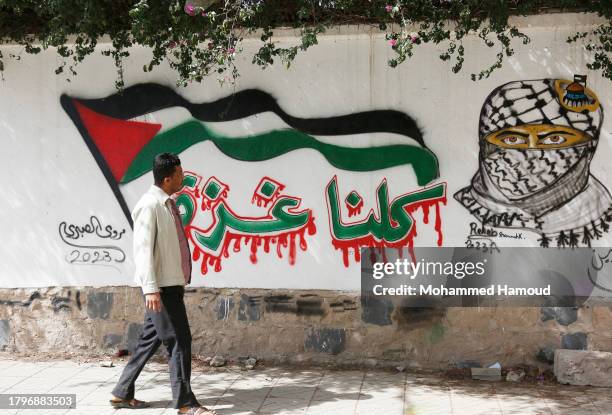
x,y
537,139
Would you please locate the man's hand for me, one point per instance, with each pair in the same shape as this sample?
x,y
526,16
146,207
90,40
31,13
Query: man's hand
x,y
153,302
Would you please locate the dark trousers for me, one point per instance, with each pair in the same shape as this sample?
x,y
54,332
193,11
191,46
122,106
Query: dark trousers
x,y
170,327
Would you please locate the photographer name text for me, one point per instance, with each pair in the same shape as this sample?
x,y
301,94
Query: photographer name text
x,y
441,290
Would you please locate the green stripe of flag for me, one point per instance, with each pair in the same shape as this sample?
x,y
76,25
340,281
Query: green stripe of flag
x,y
278,142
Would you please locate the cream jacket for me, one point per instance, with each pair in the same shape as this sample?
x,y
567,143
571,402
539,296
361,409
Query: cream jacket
x,y
157,253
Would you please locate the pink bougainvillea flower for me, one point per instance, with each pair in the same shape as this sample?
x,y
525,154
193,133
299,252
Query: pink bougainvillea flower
x,y
231,50
190,9
414,38
393,42
388,8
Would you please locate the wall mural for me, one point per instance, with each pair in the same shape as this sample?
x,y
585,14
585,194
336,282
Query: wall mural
x,y
537,139
124,148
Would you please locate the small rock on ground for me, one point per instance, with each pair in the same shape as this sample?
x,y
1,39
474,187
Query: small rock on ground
x,y
515,375
107,363
217,361
250,363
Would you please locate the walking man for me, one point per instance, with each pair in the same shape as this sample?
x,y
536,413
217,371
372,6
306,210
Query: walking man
x,y
163,268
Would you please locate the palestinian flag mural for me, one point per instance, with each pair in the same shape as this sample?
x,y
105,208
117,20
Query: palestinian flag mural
x,y
123,138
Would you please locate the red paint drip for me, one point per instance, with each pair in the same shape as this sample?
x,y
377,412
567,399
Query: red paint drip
x,y
254,245
438,224
208,203
411,251
286,240
425,214
383,253
266,245
260,201
312,228
373,257
279,244
407,241
303,244
354,210
292,248
205,205
357,255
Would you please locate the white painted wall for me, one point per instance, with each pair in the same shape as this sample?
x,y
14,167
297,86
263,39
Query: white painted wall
x,y
50,175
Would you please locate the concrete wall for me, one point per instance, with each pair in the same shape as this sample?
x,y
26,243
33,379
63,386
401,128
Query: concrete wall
x,y
77,154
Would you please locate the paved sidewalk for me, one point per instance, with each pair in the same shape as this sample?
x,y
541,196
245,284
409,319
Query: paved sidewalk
x,y
314,392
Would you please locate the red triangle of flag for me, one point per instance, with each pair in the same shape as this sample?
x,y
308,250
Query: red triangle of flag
x,y
118,141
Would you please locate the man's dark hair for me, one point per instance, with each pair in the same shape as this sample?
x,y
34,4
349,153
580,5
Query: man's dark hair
x,y
164,165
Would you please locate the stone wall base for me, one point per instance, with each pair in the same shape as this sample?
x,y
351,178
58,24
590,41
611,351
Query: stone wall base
x,y
304,327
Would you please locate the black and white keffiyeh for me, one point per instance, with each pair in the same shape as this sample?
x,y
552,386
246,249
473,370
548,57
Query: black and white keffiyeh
x,y
541,101
549,191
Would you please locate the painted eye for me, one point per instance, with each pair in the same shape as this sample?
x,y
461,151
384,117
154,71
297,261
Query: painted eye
x,y
513,140
552,140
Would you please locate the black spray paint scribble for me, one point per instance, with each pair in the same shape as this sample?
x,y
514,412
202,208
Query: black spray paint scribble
x,y
105,255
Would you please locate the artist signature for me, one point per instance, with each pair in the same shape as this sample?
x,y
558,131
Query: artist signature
x,y
103,254
481,243
516,235
480,238
476,230
72,231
